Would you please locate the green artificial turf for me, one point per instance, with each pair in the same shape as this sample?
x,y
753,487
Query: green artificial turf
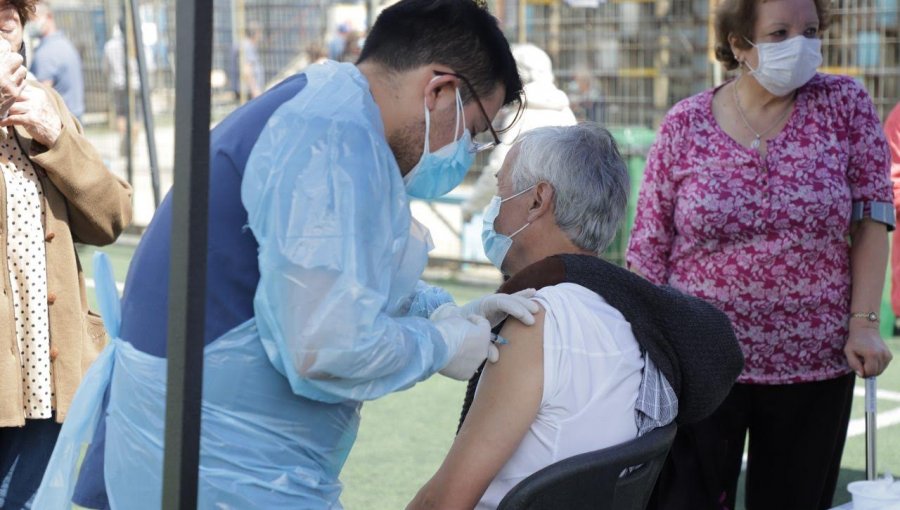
x,y
404,436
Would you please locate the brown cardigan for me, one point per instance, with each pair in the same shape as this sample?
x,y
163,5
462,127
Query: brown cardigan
x,y
83,202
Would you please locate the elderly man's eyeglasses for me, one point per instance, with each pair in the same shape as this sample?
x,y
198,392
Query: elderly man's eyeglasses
x,y
477,146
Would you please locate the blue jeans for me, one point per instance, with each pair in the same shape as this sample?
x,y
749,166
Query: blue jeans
x,y
24,454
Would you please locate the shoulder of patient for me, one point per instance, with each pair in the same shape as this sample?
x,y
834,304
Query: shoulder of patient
x,y
514,329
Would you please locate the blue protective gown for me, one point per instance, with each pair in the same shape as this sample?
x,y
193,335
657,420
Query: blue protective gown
x,y
340,254
338,314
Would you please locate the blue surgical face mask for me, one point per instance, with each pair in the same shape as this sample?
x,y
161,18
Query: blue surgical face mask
x,y
440,171
496,246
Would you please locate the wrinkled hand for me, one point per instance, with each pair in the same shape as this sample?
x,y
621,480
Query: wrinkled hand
x,y
496,307
12,76
866,352
469,342
34,111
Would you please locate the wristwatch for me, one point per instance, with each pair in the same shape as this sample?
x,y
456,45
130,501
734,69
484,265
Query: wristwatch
x,y
869,316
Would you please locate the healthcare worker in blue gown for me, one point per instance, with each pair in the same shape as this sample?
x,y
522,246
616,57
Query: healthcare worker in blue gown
x,y
314,302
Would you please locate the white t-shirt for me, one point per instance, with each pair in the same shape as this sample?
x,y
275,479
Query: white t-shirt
x,y
592,373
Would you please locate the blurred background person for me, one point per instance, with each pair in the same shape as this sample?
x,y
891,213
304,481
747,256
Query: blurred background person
x,y
55,61
114,69
769,196
338,42
56,191
315,54
586,94
248,76
353,46
545,105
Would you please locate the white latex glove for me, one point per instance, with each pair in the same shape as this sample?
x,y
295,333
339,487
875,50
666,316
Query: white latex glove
x,y
469,342
495,308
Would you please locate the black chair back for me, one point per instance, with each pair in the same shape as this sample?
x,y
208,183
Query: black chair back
x,y
592,480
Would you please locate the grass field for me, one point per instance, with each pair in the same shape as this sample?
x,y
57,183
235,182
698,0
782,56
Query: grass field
x,y
404,436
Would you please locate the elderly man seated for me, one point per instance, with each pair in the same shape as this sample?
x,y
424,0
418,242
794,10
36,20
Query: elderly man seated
x,y
610,356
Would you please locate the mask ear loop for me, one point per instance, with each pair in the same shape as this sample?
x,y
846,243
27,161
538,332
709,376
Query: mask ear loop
x,y
526,190
426,150
460,112
757,54
521,229
459,108
512,197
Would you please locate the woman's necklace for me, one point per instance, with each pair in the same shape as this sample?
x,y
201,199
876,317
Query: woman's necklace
x,y
756,141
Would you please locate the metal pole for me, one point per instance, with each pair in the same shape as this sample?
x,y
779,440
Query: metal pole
x,y
187,276
871,411
129,120
145,101
717,74
553,46
371,11
240,22
522,22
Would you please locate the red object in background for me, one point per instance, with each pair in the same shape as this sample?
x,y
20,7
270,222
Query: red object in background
x,y
892,132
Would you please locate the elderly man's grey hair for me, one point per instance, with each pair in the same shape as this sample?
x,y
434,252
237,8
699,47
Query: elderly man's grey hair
x,y
589,179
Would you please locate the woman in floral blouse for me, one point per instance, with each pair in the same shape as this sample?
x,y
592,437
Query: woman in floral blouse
x,y
769,196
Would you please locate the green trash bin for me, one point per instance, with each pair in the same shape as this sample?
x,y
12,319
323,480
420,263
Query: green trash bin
x,y
634,142
887,313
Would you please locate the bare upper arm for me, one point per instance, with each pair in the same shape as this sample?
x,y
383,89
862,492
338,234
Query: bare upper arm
x,y
508,399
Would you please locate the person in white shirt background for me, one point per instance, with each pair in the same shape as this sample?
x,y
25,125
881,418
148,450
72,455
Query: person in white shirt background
x,y
546,105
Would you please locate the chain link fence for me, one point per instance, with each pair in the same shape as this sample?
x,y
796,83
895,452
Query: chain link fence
x,y
626,63
622,63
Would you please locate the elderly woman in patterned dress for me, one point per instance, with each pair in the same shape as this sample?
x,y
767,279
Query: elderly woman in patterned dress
x,y
55,191
769,196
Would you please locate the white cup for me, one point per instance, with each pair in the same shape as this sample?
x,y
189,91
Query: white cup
x,y
875,494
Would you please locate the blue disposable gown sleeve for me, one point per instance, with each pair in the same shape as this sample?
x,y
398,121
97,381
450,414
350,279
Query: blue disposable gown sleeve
x,y
427,299
327,205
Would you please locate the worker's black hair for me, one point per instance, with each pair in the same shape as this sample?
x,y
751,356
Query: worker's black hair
x,y
460,34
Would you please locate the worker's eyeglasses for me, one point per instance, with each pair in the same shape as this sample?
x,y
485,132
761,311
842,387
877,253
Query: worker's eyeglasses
x,y
477,146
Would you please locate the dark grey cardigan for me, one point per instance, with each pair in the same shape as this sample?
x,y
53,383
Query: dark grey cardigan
x,y
690,341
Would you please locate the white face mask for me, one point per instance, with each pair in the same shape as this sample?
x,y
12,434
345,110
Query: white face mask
x,y
787,65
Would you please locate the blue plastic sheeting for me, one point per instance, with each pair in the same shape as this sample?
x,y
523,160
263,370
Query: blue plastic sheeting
x,y
262,446
340,255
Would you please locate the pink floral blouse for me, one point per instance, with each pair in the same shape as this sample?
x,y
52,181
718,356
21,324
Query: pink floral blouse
x,y
768,244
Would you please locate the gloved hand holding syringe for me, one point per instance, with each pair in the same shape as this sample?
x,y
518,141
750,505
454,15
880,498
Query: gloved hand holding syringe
x,y
467,329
